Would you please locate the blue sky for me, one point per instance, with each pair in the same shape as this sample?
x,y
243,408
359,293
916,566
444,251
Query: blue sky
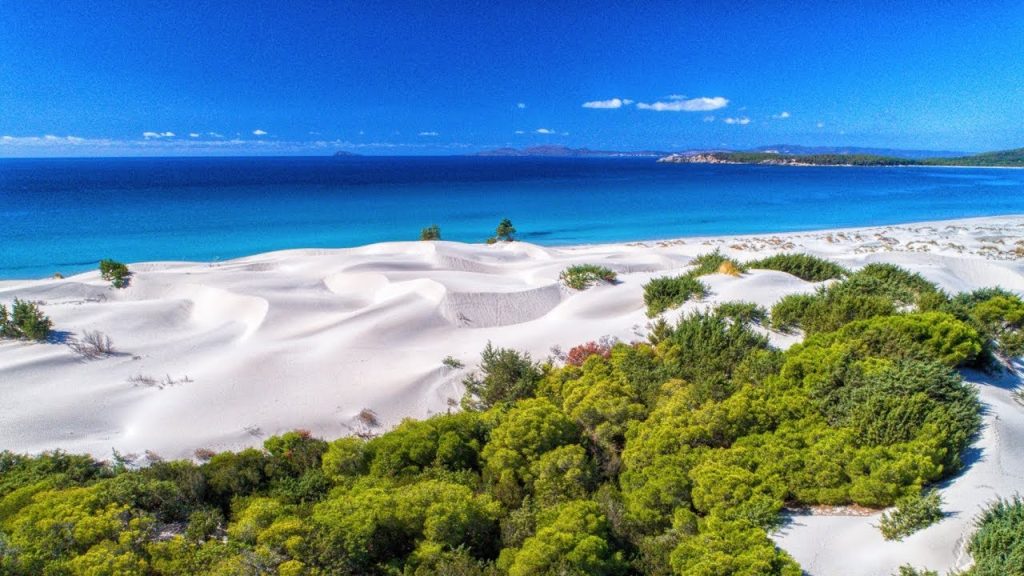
x,y
234,77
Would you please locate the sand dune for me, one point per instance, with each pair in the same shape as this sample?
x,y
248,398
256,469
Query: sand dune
x,y
222,355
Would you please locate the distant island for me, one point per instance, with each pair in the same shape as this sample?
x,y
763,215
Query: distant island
x,y
1004,158
566,152
345,154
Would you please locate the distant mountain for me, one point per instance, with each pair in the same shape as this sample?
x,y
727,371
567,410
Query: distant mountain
x,y
797,150
343,153
1003,158
566,152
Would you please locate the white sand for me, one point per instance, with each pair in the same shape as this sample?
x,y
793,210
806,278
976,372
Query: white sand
x,y
309,338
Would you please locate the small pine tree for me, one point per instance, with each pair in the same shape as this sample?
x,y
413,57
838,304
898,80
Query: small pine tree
x,y
432,232
506,231
24,321
116,273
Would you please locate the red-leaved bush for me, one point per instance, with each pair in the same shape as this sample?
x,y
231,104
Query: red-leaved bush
x,y
579,354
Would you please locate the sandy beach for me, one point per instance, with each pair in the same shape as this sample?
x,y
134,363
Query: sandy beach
x,y
222,355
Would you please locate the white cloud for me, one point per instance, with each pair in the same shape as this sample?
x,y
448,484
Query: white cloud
x,y
193,134
258,132
520,132
821,124
215,134
545,131
430,133
607,104
148,135
781,115
702,104
709,118
521,105
742,120
45,140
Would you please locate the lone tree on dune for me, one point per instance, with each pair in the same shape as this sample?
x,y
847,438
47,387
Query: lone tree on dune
x,y
505,231
116,273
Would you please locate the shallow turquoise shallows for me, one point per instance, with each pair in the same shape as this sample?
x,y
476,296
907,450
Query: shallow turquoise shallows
x,y
63,215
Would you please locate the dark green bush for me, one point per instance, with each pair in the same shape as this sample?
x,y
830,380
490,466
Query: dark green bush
x,y
505,376
788,313
432,232
25,321
803,266
116,273
583,276
742,312
505,231
903,287
998,545
661,294
912,513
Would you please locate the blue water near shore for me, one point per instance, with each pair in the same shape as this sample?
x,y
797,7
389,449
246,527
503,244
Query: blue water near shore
x,y
66,214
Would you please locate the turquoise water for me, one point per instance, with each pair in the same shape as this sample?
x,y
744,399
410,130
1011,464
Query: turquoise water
x,y
66,214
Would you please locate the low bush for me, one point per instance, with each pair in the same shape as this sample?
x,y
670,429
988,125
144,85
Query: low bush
x,y
998,545
432,232
803,266
827,310
903,287
578,354
25,321
583,276
912,513
742,312
452,362
505,376
116,273
713,262
668,292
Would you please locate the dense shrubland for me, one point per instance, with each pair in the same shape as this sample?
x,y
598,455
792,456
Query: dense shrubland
x,y
672,456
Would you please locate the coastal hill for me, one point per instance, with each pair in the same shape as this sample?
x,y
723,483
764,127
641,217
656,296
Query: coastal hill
x,y
566,152
798,150
1004,158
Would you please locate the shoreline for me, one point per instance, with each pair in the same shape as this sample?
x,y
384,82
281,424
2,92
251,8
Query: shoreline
x,y
671,239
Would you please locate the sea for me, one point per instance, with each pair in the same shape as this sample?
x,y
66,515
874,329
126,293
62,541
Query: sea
x,y
64,215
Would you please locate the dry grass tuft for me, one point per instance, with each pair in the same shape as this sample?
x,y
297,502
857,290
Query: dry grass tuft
x,y
728,267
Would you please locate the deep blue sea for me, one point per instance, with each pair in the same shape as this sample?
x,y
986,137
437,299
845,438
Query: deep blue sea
x,y
66,214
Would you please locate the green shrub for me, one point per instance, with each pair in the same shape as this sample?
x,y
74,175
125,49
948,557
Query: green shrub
x,y
507,376
803,266
667,292
903,287
912,513
788,313
711,263
998,545
24,322
583,276
116,273
432,232
742,312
